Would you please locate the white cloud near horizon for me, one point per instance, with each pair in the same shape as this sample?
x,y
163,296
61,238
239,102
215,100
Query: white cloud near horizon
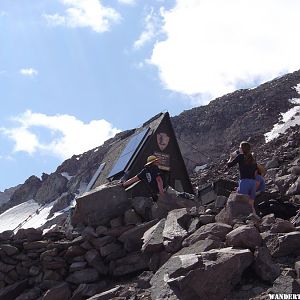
x,y
84,13
69,135
151,29
213,47
30,72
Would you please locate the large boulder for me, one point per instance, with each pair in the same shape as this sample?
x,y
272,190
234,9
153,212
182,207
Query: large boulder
x,y
215,230
170,201
284,244
153,238
100,205
264,266
175,229
245,236
210,275
236,207
11,292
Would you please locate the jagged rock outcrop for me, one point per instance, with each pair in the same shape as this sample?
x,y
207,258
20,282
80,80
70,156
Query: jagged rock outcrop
x,y
23,193
51,188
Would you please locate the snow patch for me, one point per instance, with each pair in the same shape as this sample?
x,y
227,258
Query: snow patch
x,y
25,215
288,119
66,175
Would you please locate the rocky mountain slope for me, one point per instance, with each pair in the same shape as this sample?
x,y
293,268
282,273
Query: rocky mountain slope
x,y
206,247
206,134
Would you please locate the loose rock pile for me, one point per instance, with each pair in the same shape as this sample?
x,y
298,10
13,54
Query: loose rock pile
x,y
174,252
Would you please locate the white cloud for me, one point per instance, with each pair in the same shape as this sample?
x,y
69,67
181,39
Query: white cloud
x,y
84,13
69,135
214,46
130,2
29,72
151,30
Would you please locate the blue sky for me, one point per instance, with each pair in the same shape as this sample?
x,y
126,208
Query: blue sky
x,y
75,72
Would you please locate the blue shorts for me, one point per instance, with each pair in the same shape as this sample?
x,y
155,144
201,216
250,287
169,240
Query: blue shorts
x,y
262,183
247,187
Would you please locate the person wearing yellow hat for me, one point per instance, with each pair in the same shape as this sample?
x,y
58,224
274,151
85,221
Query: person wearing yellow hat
x,y
151,175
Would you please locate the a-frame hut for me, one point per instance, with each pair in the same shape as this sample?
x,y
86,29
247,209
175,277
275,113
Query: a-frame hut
x,y
127,157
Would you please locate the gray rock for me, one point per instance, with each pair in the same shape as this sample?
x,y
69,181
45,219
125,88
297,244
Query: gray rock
x,y
86,290
26,191
131,263
273,163
74,251
295,188
94,260
116,222
264,266
171,201
13,291
216,229
201,246
142,206
131,217
174,232
107,295
29,234
297,268
194,225
77,266
220,201
143,280
284,285
88,275
60,292
284,244
206,219
236,207
62,202
282,226
210,275
110,249
51,188
153,237
9,249
244,237
100,205
266,222
102,241
132,238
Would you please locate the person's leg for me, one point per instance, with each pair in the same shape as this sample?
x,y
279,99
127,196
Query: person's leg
x,y
248,187
252,193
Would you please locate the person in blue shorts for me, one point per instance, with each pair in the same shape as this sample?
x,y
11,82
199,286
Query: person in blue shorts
x,y
260,180
247,168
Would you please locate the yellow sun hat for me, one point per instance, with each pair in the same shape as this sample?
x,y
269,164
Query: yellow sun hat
x,y
151,159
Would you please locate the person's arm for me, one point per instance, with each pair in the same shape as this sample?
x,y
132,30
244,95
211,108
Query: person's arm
x,y
160,185
233,161
130,181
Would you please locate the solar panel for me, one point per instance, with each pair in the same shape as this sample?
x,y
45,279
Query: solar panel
x,y
128,153
96,175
